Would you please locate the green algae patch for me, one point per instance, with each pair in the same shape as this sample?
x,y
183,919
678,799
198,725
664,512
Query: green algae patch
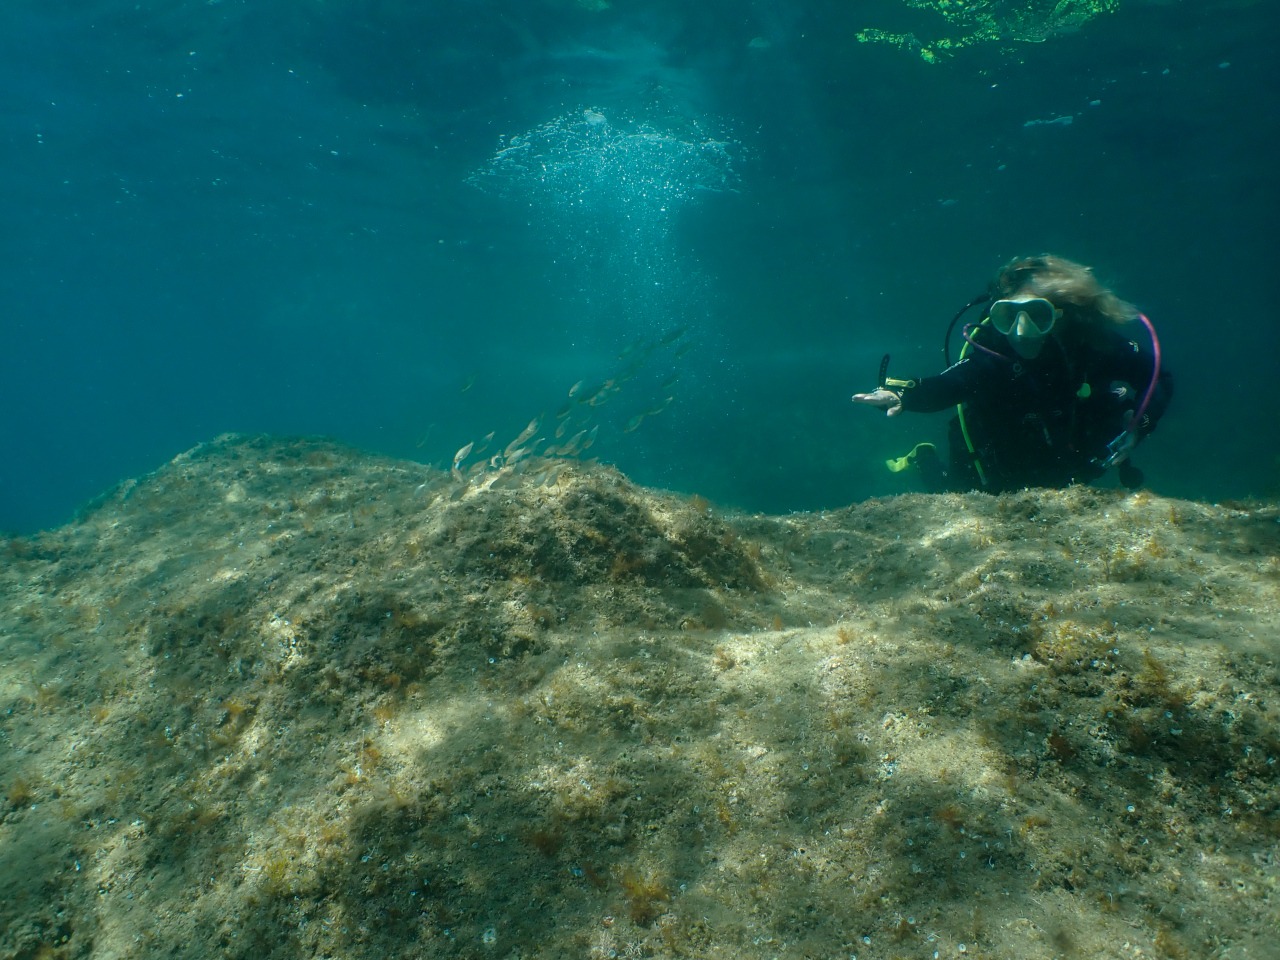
x,y
282,699
956,24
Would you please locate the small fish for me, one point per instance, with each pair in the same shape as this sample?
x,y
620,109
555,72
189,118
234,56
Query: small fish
x,y
515,456
1063,121
671,336
572,446
525,434
470,382
551,474
634,423
462,454
601,394
631,348
573,391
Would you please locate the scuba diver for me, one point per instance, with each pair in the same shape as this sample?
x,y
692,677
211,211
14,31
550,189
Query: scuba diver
x,y
1049,389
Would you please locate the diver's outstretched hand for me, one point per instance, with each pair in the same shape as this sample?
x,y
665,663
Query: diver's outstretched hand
x,y
883,399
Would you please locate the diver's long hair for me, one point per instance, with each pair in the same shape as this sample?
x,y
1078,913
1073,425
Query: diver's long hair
x,y
1070,286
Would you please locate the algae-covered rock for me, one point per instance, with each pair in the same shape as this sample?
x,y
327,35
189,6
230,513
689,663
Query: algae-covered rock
x,y
282,699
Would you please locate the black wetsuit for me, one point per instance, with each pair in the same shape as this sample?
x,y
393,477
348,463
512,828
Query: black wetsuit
x,y
1044,422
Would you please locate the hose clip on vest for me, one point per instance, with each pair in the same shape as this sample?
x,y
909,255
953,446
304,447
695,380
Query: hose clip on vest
x,y
1117,450
886,382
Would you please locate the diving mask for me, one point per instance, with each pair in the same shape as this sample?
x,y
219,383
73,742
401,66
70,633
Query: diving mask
x,y
1028,318
1025,322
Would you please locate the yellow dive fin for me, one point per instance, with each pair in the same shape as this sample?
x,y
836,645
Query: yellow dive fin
x,y
901,463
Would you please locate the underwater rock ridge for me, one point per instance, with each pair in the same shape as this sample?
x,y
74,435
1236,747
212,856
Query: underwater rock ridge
x,y
281,698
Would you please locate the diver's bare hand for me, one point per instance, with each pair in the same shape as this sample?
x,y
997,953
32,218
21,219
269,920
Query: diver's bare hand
x,y
883,399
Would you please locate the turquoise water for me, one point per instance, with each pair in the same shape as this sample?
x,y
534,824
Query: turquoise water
x,y
234,217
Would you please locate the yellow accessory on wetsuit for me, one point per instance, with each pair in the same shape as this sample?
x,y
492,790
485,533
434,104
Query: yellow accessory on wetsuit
x,y
902,463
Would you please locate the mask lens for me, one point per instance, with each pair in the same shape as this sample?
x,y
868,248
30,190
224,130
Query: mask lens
x,y
1039,313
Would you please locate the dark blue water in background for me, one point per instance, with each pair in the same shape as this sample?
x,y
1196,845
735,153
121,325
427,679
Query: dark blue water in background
x,y
256,217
